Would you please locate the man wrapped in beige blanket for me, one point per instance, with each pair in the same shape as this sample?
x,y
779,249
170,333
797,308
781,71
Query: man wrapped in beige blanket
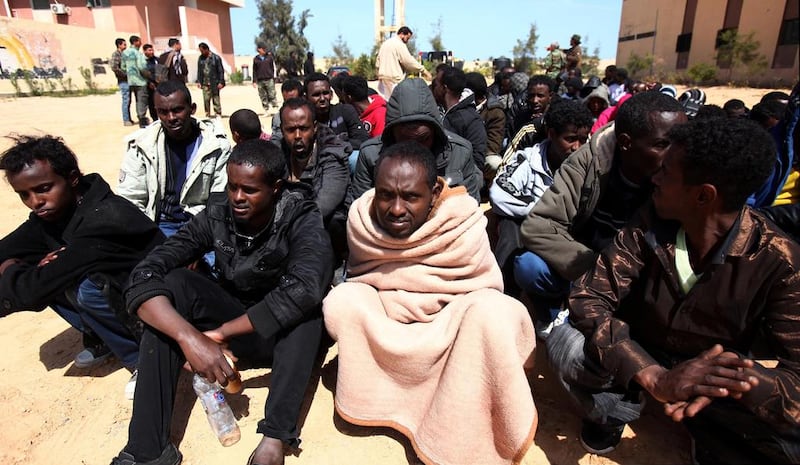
x,y
428,343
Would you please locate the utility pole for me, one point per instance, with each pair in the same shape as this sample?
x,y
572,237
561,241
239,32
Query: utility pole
x,y
382,29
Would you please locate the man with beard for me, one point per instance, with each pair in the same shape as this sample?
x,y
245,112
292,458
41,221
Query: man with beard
x,y
315,156
274,263
171,167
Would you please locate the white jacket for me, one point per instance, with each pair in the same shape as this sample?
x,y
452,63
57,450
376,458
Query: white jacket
x,y
521,182
143,174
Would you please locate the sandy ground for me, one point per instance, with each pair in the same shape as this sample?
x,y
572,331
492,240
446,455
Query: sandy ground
x,y
54,412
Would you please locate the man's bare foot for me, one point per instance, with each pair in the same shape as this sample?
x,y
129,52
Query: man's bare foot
x,y
268,452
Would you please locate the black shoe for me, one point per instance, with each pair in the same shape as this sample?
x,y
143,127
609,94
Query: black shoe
x,y
94,352
601,439
169,456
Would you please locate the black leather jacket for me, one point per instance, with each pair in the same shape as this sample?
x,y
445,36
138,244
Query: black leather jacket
x,y
282,274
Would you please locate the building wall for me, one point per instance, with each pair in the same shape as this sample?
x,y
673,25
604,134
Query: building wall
x,y
653,26
51,48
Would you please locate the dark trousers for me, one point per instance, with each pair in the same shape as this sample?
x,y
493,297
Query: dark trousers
x,y
206,305
724,432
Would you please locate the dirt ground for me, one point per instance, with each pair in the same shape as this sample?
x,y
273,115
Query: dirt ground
x,y
54,412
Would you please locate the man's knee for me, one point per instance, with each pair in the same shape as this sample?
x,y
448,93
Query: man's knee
x,y
182,284
534,275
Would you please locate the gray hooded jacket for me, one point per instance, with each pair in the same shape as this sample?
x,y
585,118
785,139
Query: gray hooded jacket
x,y
411,100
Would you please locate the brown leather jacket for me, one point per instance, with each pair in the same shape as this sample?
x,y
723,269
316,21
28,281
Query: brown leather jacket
x,y
630,307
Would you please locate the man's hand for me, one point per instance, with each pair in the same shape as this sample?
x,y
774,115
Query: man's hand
x,y
714,373
255,85
220,86
682,409
8,262
50,257
207,358
199,86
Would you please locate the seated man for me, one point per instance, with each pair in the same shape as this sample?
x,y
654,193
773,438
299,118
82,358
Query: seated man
x,y
245,125
529,173
171,167
75,250
460,114
427,340
493,116
526,125
274,262
412,115
315,156
371,108
291,88
682,303
594,193
342,117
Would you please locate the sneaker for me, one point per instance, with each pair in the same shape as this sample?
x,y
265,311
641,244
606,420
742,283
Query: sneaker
x,y
169,456
130,387
92,356
601,439
128,123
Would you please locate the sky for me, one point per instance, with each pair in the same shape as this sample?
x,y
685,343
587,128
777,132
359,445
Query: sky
x,y
471,29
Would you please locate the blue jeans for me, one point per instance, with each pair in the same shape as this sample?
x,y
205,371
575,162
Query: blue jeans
x,y
125,90
545,288
169,228
95,313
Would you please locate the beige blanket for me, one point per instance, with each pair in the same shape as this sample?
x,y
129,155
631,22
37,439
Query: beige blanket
x,y
428,343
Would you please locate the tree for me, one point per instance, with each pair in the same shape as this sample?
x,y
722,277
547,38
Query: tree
x,y
436,40
525,50
281,32
341,52
737,50
589,63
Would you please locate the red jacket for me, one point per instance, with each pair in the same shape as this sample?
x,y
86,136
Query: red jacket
x,y
374,116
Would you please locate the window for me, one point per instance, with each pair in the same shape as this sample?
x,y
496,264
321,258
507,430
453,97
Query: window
x,y
99,3
684,43
790,32
40,4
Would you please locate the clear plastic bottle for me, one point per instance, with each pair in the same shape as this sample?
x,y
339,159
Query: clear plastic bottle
x,y
218,412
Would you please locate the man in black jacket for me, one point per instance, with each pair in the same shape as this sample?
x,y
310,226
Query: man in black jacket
x,y
264,77
210,78
460,114
75,250
274,264
342,118
315,156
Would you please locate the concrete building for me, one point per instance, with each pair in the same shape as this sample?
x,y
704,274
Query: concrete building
x,y
37,33
682,33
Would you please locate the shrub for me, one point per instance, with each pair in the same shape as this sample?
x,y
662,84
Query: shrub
x,y
91,86
364,66
702,73
237,77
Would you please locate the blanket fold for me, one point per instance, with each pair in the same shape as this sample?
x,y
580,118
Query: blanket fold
x,y
428,343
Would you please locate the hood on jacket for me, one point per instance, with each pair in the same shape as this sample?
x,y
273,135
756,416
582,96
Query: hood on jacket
x,y
600,92
412,100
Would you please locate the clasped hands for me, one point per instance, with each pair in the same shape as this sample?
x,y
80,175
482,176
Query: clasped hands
x,y
692,385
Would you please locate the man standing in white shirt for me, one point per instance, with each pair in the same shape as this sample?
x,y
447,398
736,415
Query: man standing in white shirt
x,y
394,60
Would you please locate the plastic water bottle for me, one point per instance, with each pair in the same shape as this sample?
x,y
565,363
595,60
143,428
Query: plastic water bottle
x,y
218,412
